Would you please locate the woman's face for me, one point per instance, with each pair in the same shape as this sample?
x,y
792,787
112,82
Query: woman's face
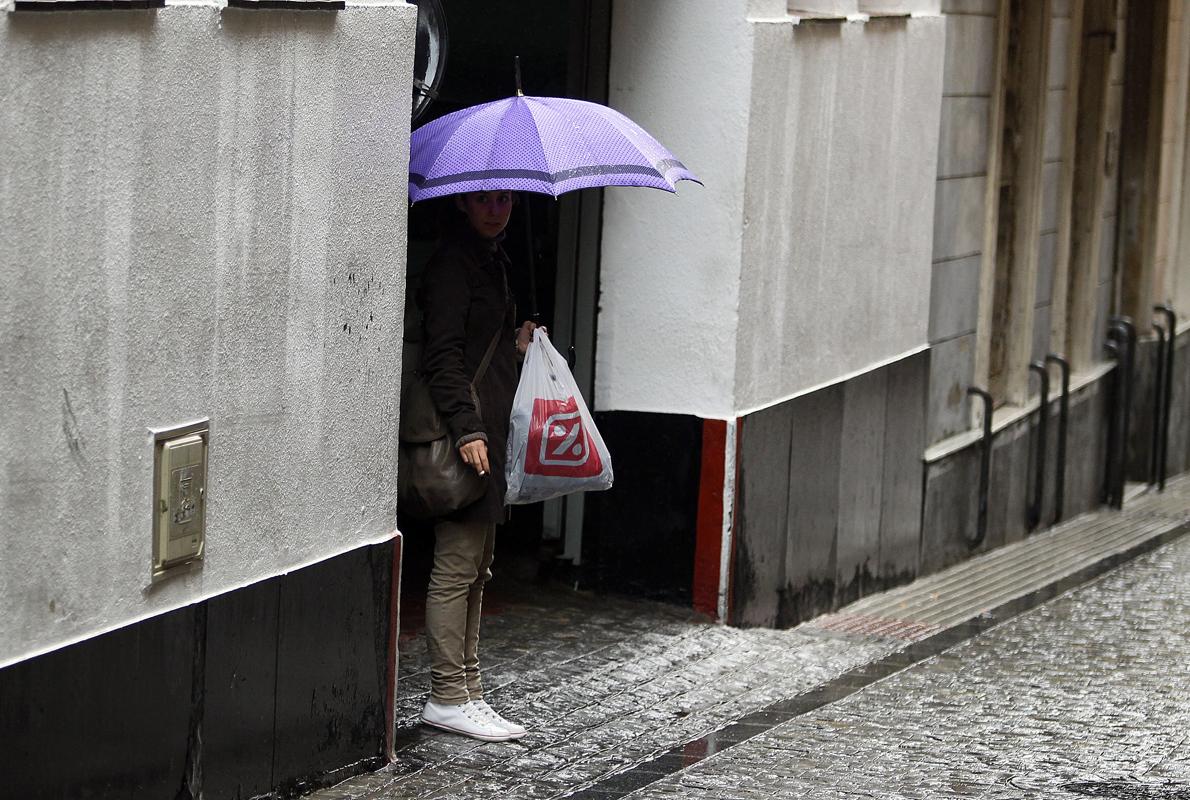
x,y
487,212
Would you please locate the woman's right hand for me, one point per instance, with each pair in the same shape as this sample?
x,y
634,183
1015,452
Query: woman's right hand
x,y
475,455
524,335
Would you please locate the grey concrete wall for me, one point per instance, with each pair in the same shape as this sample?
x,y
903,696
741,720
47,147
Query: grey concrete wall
x,y
1051,180
1179,422
950,514
830,496
836,240
959,216
1111,194
1142,425
967,84
805,258
204,216
1144,413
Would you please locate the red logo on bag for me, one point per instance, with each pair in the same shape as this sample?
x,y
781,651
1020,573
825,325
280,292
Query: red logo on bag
x,y
558,444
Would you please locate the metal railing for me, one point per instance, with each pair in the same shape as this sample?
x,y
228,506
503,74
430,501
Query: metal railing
x,y
985,467
1063,426
1033,512
1167,338
1114,352
1121,344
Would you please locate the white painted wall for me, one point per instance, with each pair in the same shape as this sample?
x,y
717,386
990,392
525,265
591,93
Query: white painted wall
x,y
670,264
806,258
203,214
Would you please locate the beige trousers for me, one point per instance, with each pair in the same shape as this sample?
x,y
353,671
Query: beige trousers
x,y
462,558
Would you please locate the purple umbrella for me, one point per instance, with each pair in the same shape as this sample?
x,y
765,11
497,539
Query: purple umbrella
x,y
547,145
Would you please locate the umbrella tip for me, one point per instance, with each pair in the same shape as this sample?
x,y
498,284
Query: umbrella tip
x,y
517,66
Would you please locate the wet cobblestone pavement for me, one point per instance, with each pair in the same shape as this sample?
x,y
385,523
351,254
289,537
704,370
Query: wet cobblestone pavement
x,y
1085,696
602,684
1088,695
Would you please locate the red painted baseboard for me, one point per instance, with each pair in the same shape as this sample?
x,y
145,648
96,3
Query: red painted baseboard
x,y
709,537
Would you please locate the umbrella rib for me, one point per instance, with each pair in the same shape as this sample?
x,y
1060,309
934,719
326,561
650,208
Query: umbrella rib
x,y
592,165
520,102
460,122
634,135
637,137
513,132
443,127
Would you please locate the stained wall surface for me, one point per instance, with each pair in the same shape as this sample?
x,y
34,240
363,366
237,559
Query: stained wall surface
x,y
199,221
1058,82
1111,186
843,136
829,497
959,213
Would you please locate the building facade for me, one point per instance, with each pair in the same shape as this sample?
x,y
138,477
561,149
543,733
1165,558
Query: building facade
x,y
905,201
199,225
205,221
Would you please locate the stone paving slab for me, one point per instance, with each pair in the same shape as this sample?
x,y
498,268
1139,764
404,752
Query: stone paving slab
x,y
968,589
1092,688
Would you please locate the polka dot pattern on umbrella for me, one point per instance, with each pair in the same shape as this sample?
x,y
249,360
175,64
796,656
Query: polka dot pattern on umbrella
x,y
548,145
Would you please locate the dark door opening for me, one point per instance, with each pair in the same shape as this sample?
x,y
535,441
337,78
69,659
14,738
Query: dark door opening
x,y
563,50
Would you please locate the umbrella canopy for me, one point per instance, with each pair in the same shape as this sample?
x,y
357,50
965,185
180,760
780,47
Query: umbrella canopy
x,y
547,145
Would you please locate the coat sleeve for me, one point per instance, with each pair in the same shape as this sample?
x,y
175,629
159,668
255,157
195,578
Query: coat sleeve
x,y
446,299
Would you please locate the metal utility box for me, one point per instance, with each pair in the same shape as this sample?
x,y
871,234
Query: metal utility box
x,y
179,497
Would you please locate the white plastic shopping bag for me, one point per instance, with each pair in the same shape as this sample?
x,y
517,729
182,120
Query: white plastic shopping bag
x,y
553,446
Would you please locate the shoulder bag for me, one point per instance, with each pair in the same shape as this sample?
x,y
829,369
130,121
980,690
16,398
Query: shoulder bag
x,y
432,479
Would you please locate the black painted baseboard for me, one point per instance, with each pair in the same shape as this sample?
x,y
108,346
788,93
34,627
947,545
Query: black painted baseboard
x,y
271,689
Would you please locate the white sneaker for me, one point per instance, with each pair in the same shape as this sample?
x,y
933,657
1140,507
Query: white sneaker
x,y
514,731
466,719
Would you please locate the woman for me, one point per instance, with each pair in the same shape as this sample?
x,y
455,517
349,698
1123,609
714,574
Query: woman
x,y
468,318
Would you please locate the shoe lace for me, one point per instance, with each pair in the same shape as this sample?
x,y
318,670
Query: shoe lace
x,y
479,711
486,711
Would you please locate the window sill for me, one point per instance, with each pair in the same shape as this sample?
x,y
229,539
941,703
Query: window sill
x,y
1007,416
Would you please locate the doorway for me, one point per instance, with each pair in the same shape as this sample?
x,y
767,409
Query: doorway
x,y
563,49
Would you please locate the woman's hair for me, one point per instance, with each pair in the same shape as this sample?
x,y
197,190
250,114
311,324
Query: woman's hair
x,y
448,219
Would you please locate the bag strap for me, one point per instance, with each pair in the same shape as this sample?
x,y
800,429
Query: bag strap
x,y
487,357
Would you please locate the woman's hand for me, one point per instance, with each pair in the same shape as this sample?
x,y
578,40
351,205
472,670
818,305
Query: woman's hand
x,y
524,335
475,454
